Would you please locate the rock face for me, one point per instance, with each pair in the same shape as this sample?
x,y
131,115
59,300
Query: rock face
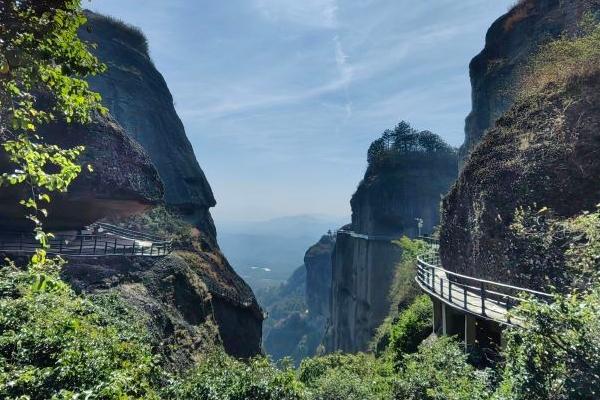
x,y
510,42
317,262
124,180
139,99
384,207
298,309
542,153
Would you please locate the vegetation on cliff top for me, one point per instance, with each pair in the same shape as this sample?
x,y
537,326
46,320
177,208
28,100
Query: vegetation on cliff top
x,y
400,144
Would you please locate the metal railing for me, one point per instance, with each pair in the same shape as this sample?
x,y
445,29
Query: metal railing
x,y
109,242
484,298
381,238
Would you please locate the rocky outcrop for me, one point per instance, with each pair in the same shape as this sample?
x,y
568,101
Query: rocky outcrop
x,y
510,42
317,262
402,186
123,182
138,97
299,308
543,154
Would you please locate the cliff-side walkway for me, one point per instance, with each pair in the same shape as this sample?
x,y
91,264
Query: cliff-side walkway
x,y
99,240
481,298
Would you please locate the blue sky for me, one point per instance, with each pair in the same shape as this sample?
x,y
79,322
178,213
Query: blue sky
x,y
281,98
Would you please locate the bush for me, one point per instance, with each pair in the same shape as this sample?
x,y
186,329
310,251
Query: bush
x,y
55,344
412,327
347,377
403,290
220,377
557,354
440,371
564,59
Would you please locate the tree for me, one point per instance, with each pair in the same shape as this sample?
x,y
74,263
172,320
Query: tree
x,y
43,66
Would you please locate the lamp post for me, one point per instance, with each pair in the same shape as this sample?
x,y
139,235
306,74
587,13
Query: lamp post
x,y
419,225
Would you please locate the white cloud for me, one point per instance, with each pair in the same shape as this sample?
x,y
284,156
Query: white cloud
x,y
311,13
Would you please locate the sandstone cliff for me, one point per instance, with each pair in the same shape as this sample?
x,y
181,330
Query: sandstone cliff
x,y
299,308
317,262
507,217
124,180
138,97
408,173
510,42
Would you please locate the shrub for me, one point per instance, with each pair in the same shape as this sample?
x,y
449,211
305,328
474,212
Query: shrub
x,y
564,59
557,354
403,290
220,377
440,370
347,377
412,327
55,344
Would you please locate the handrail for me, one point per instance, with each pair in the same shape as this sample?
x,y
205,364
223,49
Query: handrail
x,y
117,230
504,285
88,245
475,298
367,236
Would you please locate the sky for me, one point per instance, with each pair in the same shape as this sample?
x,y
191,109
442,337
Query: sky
x,y
281,98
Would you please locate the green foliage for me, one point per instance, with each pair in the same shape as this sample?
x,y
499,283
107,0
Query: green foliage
x,y
403,290
347,377
398,144
567,58
439,370
43,66
412,327
220,377
55,344
557,354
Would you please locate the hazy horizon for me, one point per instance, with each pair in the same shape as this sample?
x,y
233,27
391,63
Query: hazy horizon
x,y
281,98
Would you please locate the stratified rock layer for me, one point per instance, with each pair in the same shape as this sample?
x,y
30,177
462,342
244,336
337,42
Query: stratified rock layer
x,y
510,42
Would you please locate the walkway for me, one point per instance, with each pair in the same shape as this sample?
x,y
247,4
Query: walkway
x,y
482,298
376,238
98,241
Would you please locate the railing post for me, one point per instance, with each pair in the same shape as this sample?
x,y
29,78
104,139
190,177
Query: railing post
x,y
60,242
115,248
105,247
80,244
95,243
465,297
482,298
133,248
450,290
442,287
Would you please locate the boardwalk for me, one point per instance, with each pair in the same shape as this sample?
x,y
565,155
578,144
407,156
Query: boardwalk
x,y
99,241
482,298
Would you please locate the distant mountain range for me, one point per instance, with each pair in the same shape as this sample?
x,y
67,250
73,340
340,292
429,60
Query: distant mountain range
x,y
265,253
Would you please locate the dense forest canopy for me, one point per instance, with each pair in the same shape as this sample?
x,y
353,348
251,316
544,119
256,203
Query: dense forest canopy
x,y
395,145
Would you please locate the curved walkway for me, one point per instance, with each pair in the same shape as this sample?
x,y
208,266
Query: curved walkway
x,y
100,240
482,298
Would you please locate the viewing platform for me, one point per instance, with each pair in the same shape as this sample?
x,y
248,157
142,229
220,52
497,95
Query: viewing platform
x,y
97,240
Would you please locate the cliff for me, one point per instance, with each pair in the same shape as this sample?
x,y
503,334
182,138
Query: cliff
x,y
317,262
541,154
124,181
298,309
408,173
510,42
138,97
513,211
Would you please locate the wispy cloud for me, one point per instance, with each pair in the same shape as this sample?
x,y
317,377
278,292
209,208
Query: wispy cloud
x,y
313,13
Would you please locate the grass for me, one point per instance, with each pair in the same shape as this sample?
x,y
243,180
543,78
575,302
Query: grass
x,y
564,60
